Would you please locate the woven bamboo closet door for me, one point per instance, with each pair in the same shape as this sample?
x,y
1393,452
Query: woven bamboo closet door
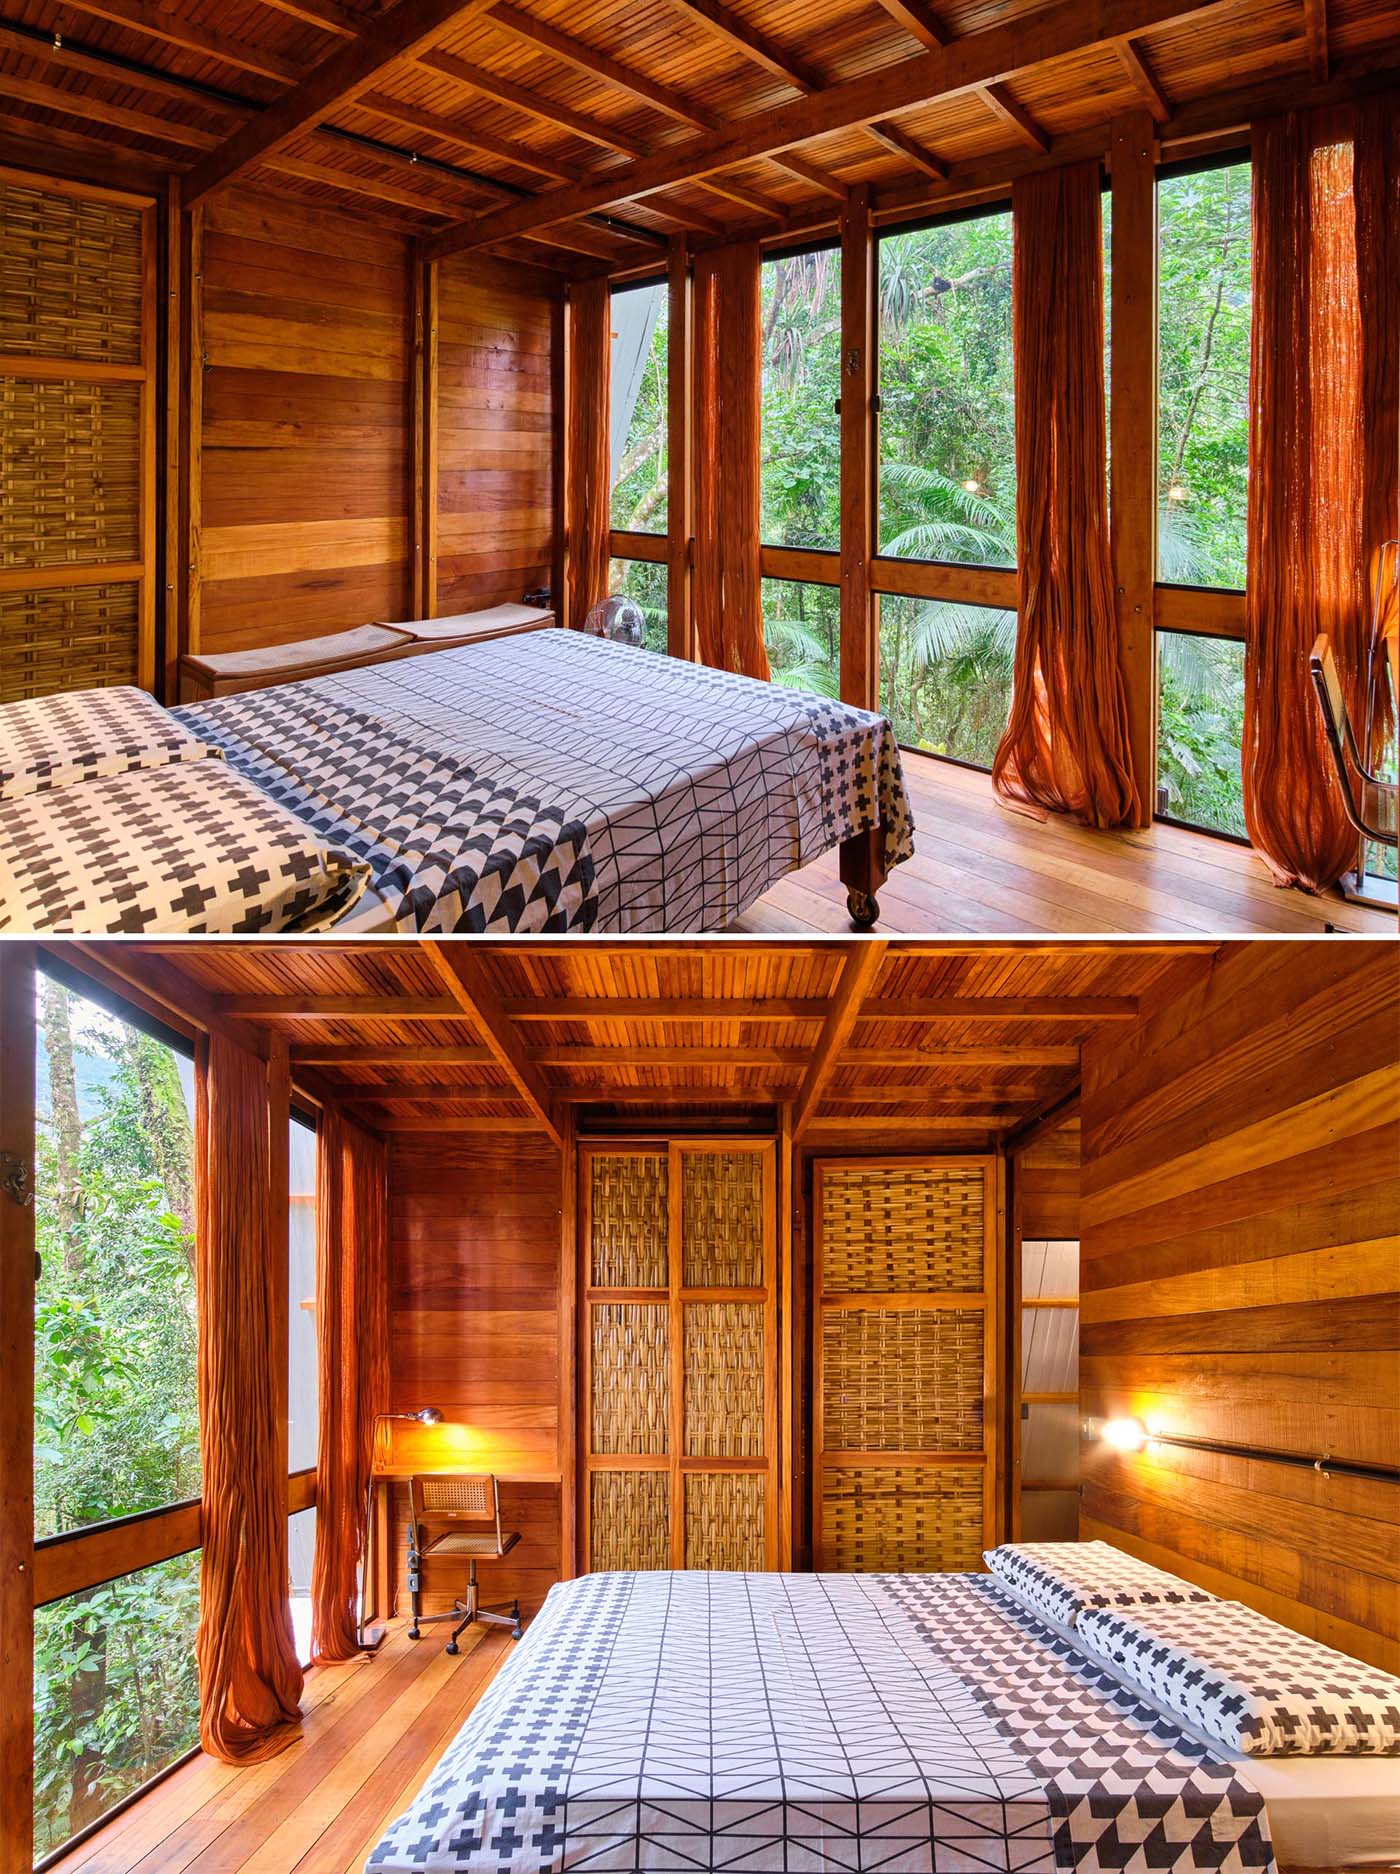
x,y
77,436
678,1355
906,1363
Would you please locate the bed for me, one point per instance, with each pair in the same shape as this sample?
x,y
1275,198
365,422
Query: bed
x,y
803,1722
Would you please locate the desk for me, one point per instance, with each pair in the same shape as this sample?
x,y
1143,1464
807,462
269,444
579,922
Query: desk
x,y
379,1535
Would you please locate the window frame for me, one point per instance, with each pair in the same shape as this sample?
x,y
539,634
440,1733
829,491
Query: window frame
x,y
795,250
649,282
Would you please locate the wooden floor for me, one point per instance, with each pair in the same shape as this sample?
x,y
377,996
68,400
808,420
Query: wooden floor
x,y
372,1731
977,867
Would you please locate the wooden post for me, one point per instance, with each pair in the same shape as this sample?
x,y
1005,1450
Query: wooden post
x,y
680,492
425,435
17,1404
191,424
860,679
1133,435
568,1344
559,462
172,329
279,1116
787,1454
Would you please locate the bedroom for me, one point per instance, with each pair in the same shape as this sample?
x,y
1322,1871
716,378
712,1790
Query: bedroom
x,y
347,350
752,1257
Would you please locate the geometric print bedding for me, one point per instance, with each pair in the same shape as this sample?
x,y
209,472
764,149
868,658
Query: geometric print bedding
x,y
52,741
1060,1580
814,1723
556,782
1256,1687
188,847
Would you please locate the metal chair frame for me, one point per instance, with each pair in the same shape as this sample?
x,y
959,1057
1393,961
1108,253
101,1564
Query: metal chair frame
x,y
473,1492
1341,738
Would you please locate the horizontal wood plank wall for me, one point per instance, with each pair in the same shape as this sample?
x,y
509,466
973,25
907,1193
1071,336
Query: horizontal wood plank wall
x,y
305,484
1047,1181
1239,1274
474,1331
494,444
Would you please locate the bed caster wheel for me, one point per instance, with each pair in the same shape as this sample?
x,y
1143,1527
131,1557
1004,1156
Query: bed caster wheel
x,y
453,1648
863,909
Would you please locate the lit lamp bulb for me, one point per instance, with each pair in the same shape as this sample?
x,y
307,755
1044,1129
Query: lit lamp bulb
x,y
1176,492
972,484
1125,1434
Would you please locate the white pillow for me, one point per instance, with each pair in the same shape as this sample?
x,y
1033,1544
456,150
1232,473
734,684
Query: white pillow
x,y
1059,1580
81,735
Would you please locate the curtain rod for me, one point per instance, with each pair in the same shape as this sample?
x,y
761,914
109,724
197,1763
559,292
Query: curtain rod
x,y
1129,1435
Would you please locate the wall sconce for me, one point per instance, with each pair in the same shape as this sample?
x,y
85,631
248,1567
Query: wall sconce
x,y
425,1415
1124,1434
1130,1435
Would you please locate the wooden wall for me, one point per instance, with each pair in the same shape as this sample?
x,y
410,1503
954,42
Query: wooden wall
x,y
303,489
1239,1274
474,1330
1047,1186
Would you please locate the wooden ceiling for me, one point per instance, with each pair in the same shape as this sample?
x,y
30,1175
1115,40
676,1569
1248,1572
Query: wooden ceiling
x,y
551,128
976,1043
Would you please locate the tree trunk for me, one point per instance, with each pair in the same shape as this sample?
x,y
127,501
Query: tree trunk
x,y
167,1124
86,1696
67,1126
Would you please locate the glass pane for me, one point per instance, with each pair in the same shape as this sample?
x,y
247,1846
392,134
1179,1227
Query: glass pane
x,y
1203,311
116,1695
644,581
945,675
639,416
802,632
301,1553
800,483
947,400
302,1426
1200,730
115,1422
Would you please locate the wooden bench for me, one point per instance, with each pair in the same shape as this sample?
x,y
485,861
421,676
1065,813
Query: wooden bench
x,y
228,673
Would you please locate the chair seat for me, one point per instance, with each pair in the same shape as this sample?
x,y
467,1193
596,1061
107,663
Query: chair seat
x,y
1378,805
456,1542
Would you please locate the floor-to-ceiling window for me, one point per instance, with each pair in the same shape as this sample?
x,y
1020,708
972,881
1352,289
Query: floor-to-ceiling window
x,y
637,434
302,1366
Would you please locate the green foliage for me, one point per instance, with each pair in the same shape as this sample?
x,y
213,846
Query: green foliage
x,y
1200,724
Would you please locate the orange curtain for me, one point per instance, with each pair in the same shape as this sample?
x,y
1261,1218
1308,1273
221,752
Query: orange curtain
x,y
352,1306
1322,472
1066,746
728,418
249,1678
589,465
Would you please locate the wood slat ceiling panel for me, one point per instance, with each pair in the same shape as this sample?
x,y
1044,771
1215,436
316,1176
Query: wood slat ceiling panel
x,y
1359,25
1050,973
648,970
658,41
246,22
433,91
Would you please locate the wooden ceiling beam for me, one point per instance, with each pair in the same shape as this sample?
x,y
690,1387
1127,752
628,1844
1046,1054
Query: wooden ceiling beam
x,y
451,130
1315,33
1048,1118
813,173
411,28
327,14
764,51
1138,66
1005,1009
919,21
666,1008
389,1054
943,1058
411,1094
90,108
453,1122
746,197
909,1126
858,977
294,1008
143,16
1057,31
596,64
95,65
463,974
544,110
628,1057
1016,117
891,137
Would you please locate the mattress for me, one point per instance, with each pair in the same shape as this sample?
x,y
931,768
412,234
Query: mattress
x,y
1330,1812
684,1721
558,782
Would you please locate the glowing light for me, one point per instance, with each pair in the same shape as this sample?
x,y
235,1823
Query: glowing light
x,y
1124,1434
972,485
1176,492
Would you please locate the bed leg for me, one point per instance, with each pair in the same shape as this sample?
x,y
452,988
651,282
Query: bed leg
x,y
863,873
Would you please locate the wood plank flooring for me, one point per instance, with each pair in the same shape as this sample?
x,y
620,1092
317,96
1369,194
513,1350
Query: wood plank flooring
x,y
979,868
371,1732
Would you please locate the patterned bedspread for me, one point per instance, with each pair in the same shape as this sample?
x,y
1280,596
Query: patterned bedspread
x,y
556,782
675,1722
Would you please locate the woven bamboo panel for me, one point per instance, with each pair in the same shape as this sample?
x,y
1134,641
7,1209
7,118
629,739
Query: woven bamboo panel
x,y
629,1522
70,277
724,1520
724,1379
906,1379
721,1220
631,1373
627,1212
921,1519
70,466
67,640
889,1229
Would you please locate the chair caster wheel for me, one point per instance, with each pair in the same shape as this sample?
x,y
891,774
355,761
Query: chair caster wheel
x,y
414,1634
453,1647
863,908
515,1633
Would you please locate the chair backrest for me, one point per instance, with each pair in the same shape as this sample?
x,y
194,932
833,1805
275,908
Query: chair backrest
x,y
1346,757
471,1498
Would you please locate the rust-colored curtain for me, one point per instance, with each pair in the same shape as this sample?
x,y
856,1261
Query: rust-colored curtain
x,y
249,1678
588,473
352,1305
728,425
1066,745
1322,467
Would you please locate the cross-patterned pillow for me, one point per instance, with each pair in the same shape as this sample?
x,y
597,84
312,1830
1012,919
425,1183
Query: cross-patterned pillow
x,y
194,846
1253,1685
79,735
1062,1579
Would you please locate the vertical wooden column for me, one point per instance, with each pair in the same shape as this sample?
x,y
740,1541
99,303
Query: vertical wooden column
x,y
425,434
559,465
1133,435
680,493
859,648
787,1452
279,1120
17,1404
172,329
568,1431
191,367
